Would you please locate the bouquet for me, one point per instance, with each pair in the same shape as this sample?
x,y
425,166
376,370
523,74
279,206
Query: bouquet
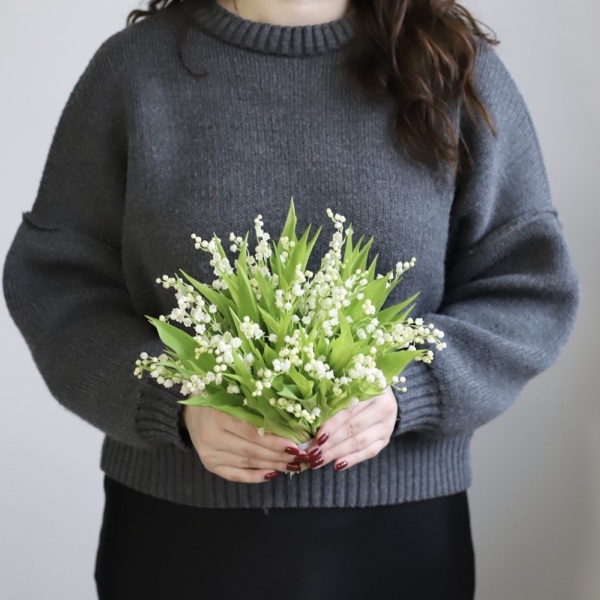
x,y
278,346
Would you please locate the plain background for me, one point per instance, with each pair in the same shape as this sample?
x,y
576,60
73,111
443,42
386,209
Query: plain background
x,y
536,496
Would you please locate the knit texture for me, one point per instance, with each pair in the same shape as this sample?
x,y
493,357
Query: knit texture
x,y
144,154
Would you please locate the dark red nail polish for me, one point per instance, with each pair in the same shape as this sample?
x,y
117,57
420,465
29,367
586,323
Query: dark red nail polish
x,y
272,475
293,467
341,465
299,460
314,453
315,463
322,439
292,451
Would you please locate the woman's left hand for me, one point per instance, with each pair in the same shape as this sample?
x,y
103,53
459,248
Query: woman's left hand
x,y
355,434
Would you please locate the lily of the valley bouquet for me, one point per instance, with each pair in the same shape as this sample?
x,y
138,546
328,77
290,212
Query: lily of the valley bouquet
x,y
281,347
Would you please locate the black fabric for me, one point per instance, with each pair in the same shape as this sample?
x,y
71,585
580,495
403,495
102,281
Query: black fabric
x,y
154,549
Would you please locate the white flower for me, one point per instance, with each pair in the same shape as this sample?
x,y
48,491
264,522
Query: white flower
x,y
368,307
251,330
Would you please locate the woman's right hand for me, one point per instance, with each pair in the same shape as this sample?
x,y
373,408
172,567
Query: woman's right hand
x,y
234,450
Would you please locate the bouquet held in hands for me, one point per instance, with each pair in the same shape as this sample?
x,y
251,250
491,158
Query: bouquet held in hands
x,y
278,346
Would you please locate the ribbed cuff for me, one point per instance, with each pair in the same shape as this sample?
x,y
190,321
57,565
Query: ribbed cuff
x,y
418,407
159,418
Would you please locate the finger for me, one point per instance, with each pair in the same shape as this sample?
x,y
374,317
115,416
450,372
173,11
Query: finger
x,y
227,459
250,433
352,422
251,455
330,429
350,460
246,475
376,434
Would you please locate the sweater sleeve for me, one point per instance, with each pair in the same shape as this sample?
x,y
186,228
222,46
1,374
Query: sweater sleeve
x,y
511,291
63,277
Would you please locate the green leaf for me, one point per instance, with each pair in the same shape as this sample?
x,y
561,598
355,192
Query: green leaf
x,y
371,270
341,350
301,253
284,325
269,355
290,391
348,248
289,229
393,363
242,370
205,362
179,341
229,404
267,300
242,259
360,261
224,305
376,292
247,305
247,345
390,313
304,385
271,323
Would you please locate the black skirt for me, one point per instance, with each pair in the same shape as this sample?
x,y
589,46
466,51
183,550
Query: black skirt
x,y
155,549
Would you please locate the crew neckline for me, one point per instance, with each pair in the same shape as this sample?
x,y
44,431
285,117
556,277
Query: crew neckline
x,y
283,40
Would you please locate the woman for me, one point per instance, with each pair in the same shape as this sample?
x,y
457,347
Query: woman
x,y
400,116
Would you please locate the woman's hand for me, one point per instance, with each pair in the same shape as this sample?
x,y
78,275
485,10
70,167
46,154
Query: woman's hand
x,y
355,434
234,450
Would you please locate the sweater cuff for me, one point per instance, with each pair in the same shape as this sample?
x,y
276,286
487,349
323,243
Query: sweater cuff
x,y
419,407
159,418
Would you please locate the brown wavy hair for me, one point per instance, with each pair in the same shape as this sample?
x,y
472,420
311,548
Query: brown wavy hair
x,y
421,53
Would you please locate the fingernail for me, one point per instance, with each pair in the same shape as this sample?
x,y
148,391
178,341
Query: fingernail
x,y
315,463
293,467
341,465
314,453
272,475
299,460
322,439
293,451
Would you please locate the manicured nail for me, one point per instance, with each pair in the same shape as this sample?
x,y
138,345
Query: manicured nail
x,y
292,451
314,453
296,468
341,465
315,463
299,460
272,475
322,439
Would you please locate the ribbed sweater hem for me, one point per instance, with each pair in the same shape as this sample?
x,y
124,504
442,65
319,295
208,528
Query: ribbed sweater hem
x,y
409,469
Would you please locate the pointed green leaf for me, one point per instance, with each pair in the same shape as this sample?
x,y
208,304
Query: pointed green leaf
x,y
390,313
229,404
271,323
290,391
341,350
360,261
304,385
289,229
179,341
223,304
267,300
394,362
247,305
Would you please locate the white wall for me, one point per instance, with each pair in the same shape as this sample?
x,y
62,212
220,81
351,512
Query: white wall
x,y
536,495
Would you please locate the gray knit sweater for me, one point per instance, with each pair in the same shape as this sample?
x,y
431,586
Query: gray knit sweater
x,y
144,154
